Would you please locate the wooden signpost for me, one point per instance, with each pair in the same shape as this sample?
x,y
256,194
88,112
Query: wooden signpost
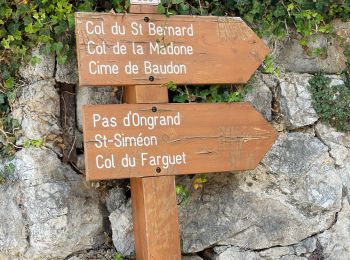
x,y
151,142
127,141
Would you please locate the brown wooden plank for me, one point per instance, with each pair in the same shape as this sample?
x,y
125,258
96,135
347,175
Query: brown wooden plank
x,y
210,49
143,9
202,138
146,94
155,218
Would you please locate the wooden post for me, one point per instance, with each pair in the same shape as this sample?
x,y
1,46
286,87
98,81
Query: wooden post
x,y
154,205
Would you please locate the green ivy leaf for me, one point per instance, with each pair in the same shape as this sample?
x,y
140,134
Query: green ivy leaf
x,y
71,22
9,83
11,95
2,99
161,9
57,47
61,59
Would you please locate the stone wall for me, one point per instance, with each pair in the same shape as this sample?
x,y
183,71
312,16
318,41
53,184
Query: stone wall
x,y
294,205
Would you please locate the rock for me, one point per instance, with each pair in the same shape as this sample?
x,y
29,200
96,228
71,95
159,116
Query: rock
x,y
281,253
79,139
95,254
338,143
62,213
292,257
344,174
44,69
336,80
93,96
193,257
305,158
339,153
296,102
342,29
330,135
68,72
293,195
292,56
81,162
122,229
37,110
13,234
260,97
293,154
236,253
115,199
306,246
276,252
335,241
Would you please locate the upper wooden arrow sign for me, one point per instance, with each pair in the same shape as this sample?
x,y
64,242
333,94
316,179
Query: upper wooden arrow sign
x,y
134,49
125,141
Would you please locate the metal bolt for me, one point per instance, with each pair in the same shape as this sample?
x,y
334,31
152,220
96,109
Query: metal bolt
x,y
154,109
158,169
151,78
146,19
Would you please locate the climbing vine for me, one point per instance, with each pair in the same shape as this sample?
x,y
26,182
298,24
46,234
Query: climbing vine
x,y
25,24
332,103
269,17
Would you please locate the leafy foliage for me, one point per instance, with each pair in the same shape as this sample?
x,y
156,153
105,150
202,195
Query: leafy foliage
x,y
6,172
332,103
269,66
272,18
269,17
346,71
199,181
182,194
25,24
118,256
37,143
208,93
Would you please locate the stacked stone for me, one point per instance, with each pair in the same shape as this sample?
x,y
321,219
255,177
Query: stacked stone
x,y
47,210
294,205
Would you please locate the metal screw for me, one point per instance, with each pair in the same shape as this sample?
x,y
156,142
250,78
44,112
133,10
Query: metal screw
x,y
154,109
158,169
151,78
146,19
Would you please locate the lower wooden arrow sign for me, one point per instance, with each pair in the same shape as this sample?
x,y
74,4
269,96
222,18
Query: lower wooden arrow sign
x,y
125,141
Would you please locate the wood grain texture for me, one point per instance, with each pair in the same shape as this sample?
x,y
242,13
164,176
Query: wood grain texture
x,y
143,9
203,138
214,50
155,217
146,94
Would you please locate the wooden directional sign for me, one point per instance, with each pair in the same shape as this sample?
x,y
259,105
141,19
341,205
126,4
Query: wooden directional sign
x,y
135,49
124,141
142,140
